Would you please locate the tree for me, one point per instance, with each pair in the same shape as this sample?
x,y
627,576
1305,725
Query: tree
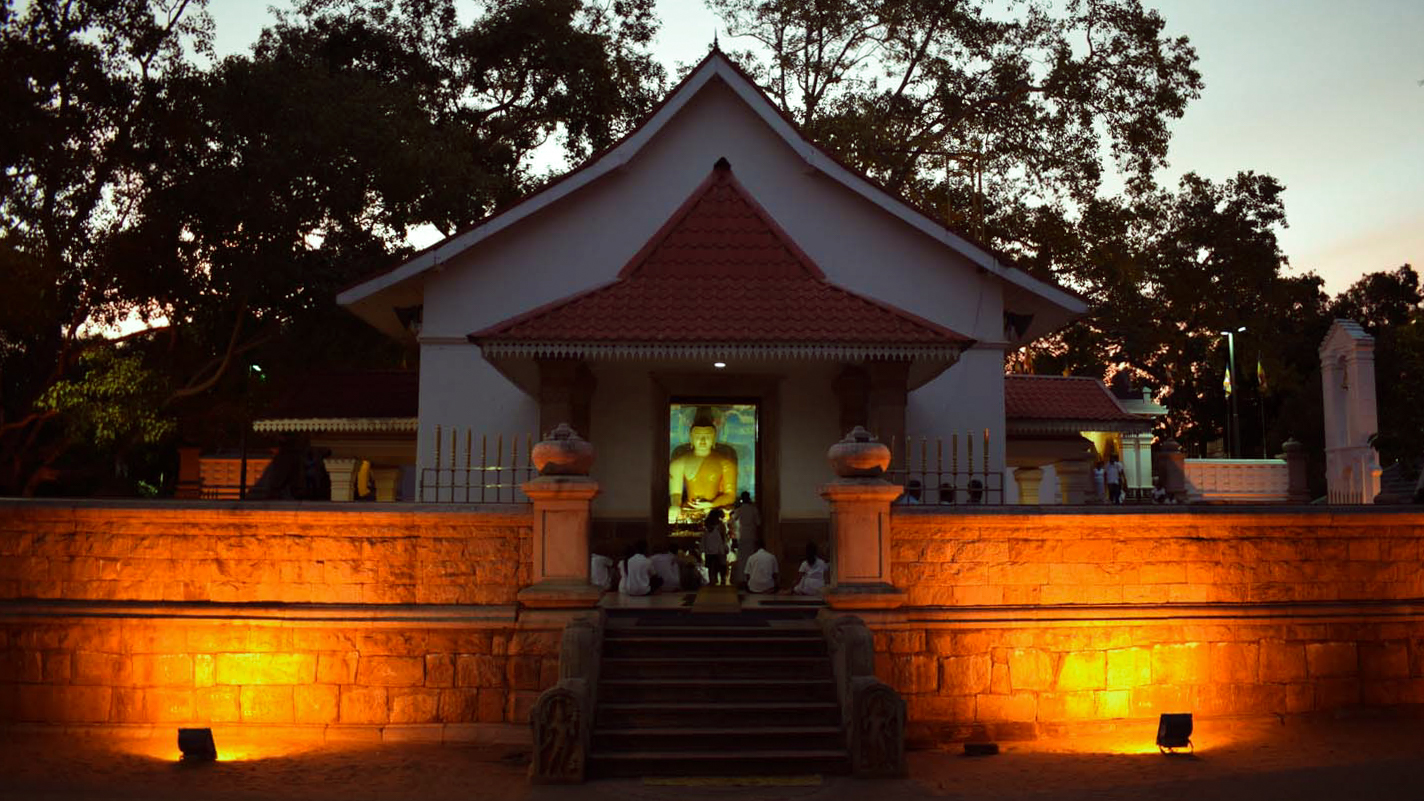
x,y
229,204
893,86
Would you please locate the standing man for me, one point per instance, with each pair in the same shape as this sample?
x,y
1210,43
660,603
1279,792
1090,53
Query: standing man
x,y
1114,475
746,527
714,547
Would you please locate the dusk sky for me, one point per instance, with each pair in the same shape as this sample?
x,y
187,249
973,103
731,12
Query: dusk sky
x,y
1325,96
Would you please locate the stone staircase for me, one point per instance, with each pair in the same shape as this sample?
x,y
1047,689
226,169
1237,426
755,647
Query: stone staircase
x,y
716,695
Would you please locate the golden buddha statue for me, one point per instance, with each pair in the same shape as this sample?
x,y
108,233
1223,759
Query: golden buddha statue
x,y
702,475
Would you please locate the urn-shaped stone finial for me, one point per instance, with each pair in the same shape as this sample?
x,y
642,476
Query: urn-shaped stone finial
x,y
562,452
859,455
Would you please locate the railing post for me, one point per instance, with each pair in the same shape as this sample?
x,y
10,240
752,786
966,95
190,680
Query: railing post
x,y
1297,483
563,498
1172,469
342,475
1029,479
860,524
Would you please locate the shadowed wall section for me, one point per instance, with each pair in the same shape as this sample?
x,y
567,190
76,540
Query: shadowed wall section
x,y
1027,624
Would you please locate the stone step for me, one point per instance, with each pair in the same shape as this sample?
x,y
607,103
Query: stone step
x,y
718,763
702,646
730,667
721,714
734,738
704,689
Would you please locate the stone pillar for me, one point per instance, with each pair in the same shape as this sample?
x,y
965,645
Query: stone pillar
x,y
342,473
1172,469
563,500
860,525
1029,480
387,481
190,473
889,394
1075,481
1298,486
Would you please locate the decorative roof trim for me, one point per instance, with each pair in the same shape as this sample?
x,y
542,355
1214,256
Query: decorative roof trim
x,y
338,425
701,350
1067,426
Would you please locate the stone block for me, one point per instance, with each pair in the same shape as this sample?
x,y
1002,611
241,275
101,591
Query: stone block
x,y
364,705
965,675
337,667
1384,660
390,671
112,670
460,705
413,733
265,668
1234,662
522,672
1019,707
955,642
1183,663
1300,698
1282,662
1082,670
1112,704
266,704
439,670
57,667
217,705
316,703
204,670
1336,693
1057,707
1332,659
1129,667
999,683
1153,700
64,704
478,670
940,708
520,703
1030,669
493,704
414,705
907,642
162,670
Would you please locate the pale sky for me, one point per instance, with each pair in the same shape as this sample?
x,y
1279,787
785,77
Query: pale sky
x,y
1326,96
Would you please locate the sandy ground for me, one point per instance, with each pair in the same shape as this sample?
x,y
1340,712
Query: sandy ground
x,y
1359,759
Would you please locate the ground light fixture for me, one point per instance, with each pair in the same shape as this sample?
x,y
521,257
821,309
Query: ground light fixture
x,y
1174,730
719,365
197,745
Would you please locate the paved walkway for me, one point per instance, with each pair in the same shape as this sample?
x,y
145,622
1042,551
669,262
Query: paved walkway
x,y
1352,758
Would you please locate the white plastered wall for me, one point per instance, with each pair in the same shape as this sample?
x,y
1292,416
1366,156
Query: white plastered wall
x,y
584,240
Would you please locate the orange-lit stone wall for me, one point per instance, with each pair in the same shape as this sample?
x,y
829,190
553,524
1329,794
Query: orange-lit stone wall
x,y
347,622
1028,623
226,553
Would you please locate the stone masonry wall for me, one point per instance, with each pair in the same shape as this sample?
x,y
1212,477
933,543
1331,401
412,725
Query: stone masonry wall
x,y
234,671
1026,624
226,553
354,619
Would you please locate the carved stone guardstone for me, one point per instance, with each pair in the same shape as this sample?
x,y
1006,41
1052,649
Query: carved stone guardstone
x,y
342,473
563,498
562,718
872,712
860,524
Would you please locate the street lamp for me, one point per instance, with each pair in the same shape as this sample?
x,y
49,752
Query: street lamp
x,y
1234,432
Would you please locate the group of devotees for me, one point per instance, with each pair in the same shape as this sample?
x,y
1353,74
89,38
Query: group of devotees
x,y
720,557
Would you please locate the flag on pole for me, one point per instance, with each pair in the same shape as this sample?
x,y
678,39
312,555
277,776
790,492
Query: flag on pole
x,y
1226,382
1260,374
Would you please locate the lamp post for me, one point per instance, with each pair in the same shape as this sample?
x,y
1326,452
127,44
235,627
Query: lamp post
x,y
1234,435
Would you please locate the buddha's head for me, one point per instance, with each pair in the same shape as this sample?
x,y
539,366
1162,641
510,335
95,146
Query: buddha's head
x,y
703,433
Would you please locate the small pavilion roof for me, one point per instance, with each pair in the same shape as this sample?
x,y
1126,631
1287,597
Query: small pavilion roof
x,y
1038,403
720,278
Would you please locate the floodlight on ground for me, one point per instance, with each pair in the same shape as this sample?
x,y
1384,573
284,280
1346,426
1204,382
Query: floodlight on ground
x,y
197,745
1174,730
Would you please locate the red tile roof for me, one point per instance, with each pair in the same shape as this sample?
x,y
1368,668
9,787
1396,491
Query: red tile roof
x,y
1051,397
721,271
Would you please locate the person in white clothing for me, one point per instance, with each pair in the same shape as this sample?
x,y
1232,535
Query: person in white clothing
x,y
600,571
637,572
761,571
665,567
1114,475
746,527
813,573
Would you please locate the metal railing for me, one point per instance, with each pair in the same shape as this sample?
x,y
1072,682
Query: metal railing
x,y
920,466
496,477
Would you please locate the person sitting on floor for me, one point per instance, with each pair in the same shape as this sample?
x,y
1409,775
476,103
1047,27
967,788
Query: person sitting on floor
x,y
665,568
813,573
761,571
638,576
600,571
690,573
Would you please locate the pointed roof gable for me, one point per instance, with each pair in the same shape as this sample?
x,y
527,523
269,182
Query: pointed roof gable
x,y
717,67
1049,403
720,278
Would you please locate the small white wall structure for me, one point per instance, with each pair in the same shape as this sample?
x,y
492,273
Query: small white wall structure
x,y
1237,481
1347,368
